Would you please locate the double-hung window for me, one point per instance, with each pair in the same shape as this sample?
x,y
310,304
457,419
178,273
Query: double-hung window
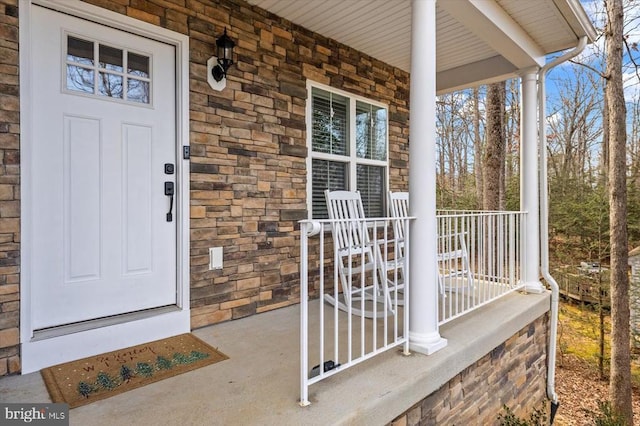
x,y
348,145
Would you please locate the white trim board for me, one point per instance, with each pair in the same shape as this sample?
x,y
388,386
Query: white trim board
x,y
39,353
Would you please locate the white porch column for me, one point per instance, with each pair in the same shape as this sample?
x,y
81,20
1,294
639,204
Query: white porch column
x,y
529,183
423,331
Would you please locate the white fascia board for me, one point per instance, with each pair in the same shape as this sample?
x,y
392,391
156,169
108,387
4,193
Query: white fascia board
x,y
577,18
488,21
481,72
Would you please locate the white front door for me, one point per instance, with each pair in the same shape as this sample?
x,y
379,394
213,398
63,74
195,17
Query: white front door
x,y
103,156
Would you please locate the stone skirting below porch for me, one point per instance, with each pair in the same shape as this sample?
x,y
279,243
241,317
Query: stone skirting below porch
x,y
512,374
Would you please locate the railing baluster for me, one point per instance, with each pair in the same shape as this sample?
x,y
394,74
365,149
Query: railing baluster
x,y
407,285
304,317
484,263
494,253
321,299
336,294
374,292
348,263
350,243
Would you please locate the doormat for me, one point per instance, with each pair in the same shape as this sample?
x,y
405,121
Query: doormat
x,y
102,376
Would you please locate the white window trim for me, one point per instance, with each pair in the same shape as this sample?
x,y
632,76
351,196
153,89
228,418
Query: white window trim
x,y
353,158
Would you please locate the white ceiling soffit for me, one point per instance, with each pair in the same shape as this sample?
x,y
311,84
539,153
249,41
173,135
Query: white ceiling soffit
x,y
478,41
379,28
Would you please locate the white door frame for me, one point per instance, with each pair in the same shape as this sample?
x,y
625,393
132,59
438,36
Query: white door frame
x,y
39,351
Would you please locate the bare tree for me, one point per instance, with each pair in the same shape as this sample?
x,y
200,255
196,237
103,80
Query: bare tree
x,y
493,193
455,148
512,129
574,127
477,146
620,380
633,145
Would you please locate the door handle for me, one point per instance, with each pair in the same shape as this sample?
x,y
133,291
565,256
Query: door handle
x,y
169,191
168,188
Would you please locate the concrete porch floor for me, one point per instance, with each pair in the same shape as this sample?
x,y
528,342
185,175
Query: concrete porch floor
x,y
259,383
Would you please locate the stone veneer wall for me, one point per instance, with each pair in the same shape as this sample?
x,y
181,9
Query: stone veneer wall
x,y
513,374
248,151
9,190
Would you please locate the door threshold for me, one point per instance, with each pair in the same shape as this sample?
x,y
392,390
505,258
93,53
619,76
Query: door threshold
x,y
77,327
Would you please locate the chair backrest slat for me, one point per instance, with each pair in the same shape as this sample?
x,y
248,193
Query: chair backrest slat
x,y
399,207
350,229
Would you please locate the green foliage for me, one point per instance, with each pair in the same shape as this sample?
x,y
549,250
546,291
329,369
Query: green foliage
x,y
144,369
580,333
633,212
195,356
85,389
105,381
607,416
179,358
537,418
512,198
579,217
126,373
457,199
163,363
466,197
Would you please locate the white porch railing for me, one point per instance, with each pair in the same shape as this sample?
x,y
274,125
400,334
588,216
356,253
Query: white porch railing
x,y
480,254
342,336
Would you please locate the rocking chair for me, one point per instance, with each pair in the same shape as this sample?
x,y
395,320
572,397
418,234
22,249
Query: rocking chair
x,y
357,255
453,263
453,258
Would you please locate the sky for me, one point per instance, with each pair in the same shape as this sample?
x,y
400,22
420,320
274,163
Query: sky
x,y
595,10
593,54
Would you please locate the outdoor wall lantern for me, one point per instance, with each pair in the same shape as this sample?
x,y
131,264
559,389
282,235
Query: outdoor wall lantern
x,y
217,66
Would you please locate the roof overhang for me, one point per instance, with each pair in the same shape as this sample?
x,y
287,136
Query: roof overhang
x,y
478,41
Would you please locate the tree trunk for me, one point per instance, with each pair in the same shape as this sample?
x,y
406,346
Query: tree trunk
x,y
620,381
477,144
512,137
601,322
493,191
604,164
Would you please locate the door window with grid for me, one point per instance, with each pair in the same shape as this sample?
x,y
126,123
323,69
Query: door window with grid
x,y
348,147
